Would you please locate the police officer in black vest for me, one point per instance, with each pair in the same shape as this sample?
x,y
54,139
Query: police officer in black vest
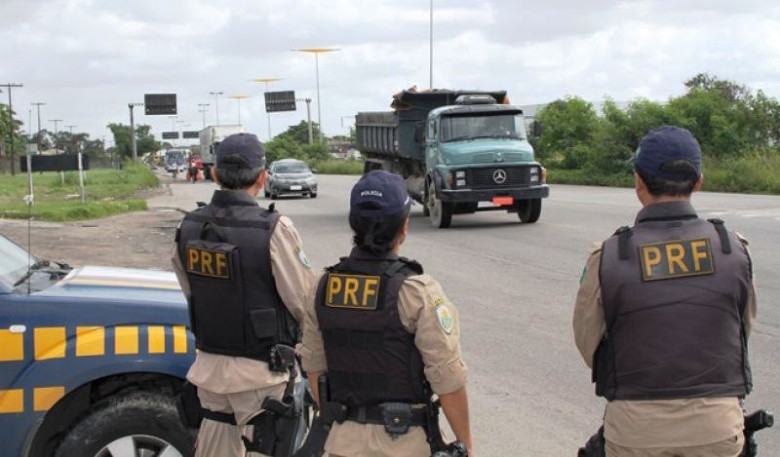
x,y
245,275
386,335
663,315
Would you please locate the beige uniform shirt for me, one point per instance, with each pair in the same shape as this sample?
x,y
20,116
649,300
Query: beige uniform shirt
x,y
424,310
293,276
636,423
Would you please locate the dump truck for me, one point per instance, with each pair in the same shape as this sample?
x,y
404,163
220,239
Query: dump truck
x,y
210,137
458,151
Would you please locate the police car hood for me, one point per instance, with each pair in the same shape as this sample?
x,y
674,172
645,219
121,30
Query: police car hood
x,y
487,151
120,284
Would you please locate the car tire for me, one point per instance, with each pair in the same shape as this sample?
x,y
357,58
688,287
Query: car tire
x,y
440,212
313,194
140,423
266,194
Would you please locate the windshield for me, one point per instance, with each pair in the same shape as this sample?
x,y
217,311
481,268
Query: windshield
x,y
291,168
458,128
14,261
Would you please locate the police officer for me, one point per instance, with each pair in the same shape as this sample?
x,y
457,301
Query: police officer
x,y
383,331
663,315
245,275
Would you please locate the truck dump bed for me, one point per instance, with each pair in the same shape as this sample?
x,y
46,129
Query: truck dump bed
x,y
399,133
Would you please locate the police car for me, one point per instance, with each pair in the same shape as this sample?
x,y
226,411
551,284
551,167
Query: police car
x,y
91,359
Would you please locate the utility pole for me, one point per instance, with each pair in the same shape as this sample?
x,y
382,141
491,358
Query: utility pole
x,y
38,136
133,148
216,103
308,117
56,131
202,108
75,146
9,86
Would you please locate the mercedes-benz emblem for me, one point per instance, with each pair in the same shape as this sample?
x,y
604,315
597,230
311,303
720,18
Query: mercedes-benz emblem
x,y
499,176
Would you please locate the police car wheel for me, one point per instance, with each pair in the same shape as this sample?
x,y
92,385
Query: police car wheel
x,y
313,194
139,424
529,210
266,194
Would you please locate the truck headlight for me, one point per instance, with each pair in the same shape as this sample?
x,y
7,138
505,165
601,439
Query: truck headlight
x,y
461,183
534,178
460,174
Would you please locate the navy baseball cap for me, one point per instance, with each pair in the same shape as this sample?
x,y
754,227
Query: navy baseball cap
x,y
241,150
666,144
379,194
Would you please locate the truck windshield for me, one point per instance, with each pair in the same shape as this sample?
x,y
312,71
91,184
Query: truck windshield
x,y
460,128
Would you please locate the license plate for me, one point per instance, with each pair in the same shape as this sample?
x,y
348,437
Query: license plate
x,y
503,201
296,187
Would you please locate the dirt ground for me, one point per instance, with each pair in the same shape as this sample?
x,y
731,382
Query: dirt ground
x,y
137,240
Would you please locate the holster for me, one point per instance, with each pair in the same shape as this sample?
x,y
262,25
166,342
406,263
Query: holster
x,y
595,445
188,405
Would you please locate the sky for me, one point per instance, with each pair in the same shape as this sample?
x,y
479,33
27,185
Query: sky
x,y
88,59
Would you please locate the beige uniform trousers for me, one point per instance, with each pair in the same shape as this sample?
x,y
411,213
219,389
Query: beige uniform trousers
x,y
731,447
218,439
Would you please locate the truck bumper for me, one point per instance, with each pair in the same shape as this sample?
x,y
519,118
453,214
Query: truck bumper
x,y
487,195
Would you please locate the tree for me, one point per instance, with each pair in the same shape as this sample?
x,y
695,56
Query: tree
x,y
569,128
300,132
283,147
145,142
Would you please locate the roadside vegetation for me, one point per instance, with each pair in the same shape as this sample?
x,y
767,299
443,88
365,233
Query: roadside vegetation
x,y
106,192
739,132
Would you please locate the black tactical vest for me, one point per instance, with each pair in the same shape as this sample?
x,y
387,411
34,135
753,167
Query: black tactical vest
x,y
674,290
234,306
371,357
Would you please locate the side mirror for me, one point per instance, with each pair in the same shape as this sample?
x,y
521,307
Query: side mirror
x,y
314,170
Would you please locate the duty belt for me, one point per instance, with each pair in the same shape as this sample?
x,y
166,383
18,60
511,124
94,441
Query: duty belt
x,y
378,414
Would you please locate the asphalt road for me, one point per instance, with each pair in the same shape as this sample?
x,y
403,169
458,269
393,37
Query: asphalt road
x,y
514,286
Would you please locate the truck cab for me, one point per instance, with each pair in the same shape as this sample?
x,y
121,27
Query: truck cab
x,y
459,152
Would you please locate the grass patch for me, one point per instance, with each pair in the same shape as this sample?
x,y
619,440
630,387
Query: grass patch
x,y
338,167
106,192
755,174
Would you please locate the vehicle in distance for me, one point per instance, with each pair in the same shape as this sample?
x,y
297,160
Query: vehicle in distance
x,y
210,138
175,161
91,359
289,177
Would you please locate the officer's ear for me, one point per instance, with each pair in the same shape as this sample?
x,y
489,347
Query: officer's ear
x,y
261,178
699,182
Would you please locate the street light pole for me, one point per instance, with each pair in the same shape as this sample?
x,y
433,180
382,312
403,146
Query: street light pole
x,y
239,98
202,108
75,146
267,113
133,146
9,86
216,103
431,48
317,52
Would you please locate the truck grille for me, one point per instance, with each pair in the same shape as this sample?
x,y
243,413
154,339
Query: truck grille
x,y
482,178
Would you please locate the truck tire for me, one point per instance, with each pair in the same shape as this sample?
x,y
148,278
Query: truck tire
x,y
529,210
140,423
440,212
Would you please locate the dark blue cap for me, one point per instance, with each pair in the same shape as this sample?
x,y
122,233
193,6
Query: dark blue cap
x,y
666,144
241,151
379,194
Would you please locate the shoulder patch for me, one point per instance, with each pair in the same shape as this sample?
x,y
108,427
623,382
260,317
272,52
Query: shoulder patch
x,y
444,317
302,257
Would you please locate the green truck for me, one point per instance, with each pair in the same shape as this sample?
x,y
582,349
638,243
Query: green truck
x,y
458,151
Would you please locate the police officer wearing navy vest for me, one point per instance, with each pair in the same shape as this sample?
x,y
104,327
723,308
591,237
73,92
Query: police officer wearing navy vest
x,y
245,276
663,315
385,335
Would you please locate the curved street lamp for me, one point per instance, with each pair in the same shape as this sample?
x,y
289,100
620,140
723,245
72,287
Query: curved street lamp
x,y
239,98
317,52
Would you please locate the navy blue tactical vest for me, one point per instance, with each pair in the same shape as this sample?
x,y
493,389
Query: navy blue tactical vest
x,y
234,306
674,289
371,357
